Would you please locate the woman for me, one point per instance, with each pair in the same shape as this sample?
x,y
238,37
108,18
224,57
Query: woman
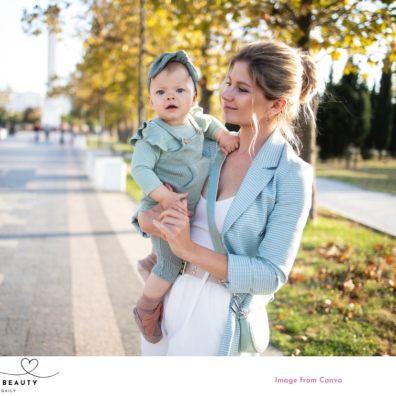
x,y
264,196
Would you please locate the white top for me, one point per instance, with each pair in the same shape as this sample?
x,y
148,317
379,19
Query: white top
x,y
195,311
199,226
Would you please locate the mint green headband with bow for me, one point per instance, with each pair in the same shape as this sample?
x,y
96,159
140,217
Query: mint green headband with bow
x,y
163,60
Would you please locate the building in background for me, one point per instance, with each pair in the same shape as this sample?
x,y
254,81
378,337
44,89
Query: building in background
x,y
19,101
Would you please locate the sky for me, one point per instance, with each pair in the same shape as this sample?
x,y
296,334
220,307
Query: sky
x,y
23,64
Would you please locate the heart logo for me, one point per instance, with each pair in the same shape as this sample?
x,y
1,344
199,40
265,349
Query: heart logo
x,y
29,365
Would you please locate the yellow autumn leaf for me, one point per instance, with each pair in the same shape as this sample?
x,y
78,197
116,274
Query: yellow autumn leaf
x,y
335,55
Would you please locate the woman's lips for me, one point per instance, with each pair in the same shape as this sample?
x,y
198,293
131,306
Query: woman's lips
x,y
229,108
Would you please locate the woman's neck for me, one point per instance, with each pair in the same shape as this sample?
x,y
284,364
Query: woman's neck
x,y
246,135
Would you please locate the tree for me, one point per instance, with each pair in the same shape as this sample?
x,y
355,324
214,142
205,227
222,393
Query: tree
x,y
392,146
368,144
210,37
142,28
382,121
3,116
31,115
344,116
329,25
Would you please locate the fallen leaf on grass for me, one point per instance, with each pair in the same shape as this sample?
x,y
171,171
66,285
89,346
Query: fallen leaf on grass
x,y
370,271
379,247
293,278
325,306
390,283
348,286
336,252
301,338
330,251
279,327
296,352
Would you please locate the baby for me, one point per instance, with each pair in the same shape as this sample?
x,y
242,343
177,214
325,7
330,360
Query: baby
x,y
168,151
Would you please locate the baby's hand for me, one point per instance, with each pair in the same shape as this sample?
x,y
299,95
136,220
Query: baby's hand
x,y
228,142
166,197
171,199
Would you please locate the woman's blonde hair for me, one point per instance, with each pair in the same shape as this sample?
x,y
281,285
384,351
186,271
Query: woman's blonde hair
x,y
282,72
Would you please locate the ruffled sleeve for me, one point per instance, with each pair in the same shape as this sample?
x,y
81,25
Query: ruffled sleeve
x,y
154,135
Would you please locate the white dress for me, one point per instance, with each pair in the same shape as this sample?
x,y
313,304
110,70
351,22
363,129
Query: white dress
x,y
195,310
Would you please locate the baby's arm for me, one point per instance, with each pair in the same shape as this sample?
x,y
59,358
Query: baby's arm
x,y
227,141
165,197
144,158
215,130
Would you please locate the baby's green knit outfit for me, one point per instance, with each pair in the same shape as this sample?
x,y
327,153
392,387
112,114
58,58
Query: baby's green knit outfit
x,y
172,154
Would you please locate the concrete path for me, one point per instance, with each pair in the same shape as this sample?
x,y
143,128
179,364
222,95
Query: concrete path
x,y
373,209
68,278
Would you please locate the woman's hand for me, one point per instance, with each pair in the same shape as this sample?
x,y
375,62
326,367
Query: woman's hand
x,y
145,220
174,226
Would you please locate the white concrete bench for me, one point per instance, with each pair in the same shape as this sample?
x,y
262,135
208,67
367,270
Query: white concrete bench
x,y
107,172
3,133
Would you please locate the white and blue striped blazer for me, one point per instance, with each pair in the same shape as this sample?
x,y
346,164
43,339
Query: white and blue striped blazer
x,y
264,225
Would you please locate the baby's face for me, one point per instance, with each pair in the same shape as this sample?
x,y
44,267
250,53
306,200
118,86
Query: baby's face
x,y
172,94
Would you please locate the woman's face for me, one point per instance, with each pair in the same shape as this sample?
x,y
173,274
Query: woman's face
x,y
242,98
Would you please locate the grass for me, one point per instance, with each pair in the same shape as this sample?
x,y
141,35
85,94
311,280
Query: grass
x,y
131,186
371,175
340,299
95,142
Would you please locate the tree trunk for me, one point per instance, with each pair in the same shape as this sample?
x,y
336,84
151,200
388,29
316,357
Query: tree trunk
x,y
141,85
308,152
307,129
206,94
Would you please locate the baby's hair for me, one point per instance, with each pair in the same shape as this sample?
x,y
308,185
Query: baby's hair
x,y
174,67
282,72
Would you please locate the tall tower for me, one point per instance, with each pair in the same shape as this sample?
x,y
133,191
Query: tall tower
x,y
54,106
51,57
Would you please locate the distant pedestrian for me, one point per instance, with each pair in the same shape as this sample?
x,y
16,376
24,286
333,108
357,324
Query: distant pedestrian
x,y
47,132
37,129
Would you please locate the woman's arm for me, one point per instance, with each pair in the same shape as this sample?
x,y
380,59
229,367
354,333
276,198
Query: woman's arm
x,y
268,271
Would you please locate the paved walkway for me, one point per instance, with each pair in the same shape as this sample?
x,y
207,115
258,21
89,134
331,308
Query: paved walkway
x,y
68,255
373,209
